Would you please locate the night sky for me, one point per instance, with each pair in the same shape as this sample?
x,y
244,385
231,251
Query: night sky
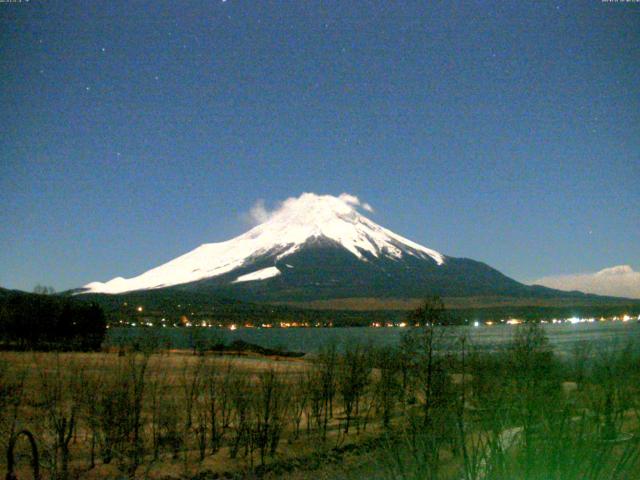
x,y
135,131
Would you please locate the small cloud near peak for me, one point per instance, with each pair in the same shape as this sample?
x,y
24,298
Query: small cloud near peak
x,y
259,213
355,202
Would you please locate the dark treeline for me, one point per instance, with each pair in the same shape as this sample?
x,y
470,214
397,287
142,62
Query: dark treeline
x,y
176,307
31,321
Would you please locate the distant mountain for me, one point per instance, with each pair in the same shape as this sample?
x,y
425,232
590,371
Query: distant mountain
x,y
321,248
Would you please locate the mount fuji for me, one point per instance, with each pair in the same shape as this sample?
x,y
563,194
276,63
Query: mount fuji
x,y
321,247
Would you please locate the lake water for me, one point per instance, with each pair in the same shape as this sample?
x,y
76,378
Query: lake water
x,y
603,336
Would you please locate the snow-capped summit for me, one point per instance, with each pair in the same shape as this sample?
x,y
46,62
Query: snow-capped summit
x,y
321,248
296,224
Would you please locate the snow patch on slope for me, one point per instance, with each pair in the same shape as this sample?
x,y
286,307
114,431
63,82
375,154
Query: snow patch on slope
x,y
284,231
263,274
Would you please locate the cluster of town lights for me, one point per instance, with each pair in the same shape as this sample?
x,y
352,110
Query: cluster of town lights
x,y
570,320
185,322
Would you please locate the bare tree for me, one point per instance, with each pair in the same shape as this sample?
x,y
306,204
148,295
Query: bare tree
x,y
269,413
217,390
60,389
327,362
240,400
353,373
387,390
299,402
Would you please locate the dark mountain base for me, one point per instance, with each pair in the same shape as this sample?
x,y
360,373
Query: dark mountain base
x,y
178,307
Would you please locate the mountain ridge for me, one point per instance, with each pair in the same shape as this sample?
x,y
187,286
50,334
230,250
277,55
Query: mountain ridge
x,y
321,248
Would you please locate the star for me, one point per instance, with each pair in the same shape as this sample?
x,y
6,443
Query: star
x,y
103,49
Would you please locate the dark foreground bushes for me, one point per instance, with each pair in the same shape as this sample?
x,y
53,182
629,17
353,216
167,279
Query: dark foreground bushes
x,y
46,322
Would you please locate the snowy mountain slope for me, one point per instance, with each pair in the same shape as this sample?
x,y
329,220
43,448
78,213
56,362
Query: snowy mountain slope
x,y
298,223
319,248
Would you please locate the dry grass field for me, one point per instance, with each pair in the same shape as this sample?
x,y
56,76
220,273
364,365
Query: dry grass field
x,y
405,412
